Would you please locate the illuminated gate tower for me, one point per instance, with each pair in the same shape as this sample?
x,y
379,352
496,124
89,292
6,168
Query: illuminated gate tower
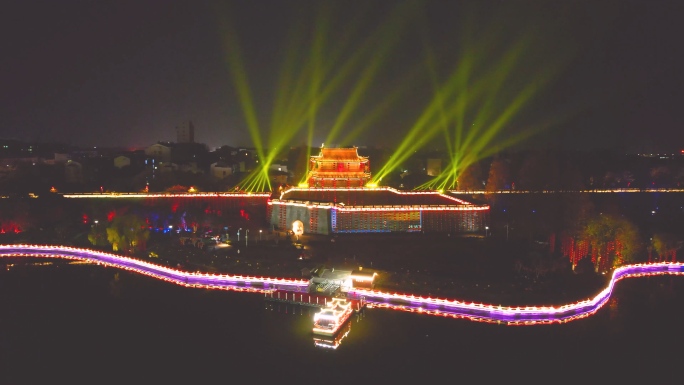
x,y
338,201
338,167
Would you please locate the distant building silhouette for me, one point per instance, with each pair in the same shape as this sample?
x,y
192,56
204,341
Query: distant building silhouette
x,y
221,169
160,151
73,172
185,133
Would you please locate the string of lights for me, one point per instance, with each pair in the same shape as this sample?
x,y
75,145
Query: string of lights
x,y
510,315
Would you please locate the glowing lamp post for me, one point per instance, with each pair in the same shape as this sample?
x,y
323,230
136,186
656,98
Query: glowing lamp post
x,y
240,229
486,231
260,231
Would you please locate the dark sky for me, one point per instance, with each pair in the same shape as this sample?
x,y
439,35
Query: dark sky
x,y
126,73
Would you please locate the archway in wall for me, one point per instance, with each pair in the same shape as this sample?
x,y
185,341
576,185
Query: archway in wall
x,y
298,228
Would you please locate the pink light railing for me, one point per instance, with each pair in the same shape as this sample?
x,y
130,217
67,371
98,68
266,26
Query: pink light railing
x,y
509,315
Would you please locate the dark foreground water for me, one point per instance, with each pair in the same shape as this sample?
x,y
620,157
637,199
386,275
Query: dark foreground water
x,y
81,324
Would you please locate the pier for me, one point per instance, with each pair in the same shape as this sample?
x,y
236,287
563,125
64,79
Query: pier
x,y
308,299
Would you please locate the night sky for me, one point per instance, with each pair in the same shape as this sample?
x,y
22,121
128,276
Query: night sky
x,y
126,73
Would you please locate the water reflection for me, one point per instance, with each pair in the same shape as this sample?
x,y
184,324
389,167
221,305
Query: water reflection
x,y
320,341
290,309
205,334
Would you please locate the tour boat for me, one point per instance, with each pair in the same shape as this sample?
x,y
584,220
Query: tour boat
x,y
330,319
332,342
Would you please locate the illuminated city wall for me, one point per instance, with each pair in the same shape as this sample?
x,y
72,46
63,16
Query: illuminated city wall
x,y
408,221
184,211
454,221
316,220
319,210
210,202
375,221
375,210
327,219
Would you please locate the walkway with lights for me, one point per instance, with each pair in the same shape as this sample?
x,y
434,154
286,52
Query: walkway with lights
x,y
516,315
183,278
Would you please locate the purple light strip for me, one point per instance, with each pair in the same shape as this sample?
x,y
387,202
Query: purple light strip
x,y
511,315
183,278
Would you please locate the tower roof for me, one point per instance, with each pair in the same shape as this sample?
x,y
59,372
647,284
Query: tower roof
x,y
340,154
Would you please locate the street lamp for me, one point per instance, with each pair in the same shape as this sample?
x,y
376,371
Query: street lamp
x,y
246,235
260,231
240,229
486,231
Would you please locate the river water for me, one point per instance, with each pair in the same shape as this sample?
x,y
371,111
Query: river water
x,y
89,324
